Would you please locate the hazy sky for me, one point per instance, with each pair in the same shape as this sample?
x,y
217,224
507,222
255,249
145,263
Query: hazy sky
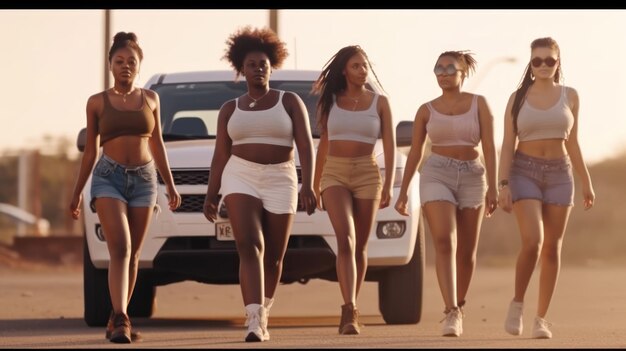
x,y
52,60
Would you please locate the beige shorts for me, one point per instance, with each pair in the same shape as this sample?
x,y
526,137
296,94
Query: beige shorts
x,y
276,185
360,175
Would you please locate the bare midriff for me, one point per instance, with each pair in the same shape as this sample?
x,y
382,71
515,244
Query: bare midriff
x,y
263,153
544,148
347,148
457,152
128,150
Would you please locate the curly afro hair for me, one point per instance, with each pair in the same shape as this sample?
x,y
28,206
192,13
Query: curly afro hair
x,y
248,39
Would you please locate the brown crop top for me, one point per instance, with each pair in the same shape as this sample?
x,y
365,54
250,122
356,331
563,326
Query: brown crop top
x,y
114,122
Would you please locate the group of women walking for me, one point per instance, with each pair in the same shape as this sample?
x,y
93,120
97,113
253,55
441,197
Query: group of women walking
x,y
253,169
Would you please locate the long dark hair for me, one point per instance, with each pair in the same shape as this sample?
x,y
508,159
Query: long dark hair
x,y
528,78
331,80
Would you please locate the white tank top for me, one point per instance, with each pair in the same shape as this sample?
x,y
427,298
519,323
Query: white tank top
x,y
272,126
363,126
451,130
553,123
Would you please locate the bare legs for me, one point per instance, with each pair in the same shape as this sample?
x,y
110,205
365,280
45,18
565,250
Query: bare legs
x,y
125,230
542,228
261,238
455,237
352,220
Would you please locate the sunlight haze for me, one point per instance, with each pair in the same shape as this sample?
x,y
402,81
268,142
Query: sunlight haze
x,y
53,59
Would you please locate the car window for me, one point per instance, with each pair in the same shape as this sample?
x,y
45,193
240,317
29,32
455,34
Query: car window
x,y
189,110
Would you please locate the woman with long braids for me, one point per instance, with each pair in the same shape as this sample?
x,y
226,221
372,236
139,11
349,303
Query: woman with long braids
x,y
348,183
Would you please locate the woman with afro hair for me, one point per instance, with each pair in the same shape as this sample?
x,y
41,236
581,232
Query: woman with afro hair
x,y
254,170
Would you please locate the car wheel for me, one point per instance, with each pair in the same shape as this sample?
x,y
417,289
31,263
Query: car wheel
x,y
96,292
400,288
142,302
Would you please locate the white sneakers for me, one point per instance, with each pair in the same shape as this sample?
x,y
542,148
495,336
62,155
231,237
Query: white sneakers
x,y
514,326
453,322
256,320
255,314
541,329
513,323
267,304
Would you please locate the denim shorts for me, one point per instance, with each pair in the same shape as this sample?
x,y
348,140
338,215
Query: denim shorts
x,y
549,181
276,185
136,186
359,174
462,183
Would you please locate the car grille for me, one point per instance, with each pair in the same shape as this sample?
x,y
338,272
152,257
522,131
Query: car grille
x,y
189,177
193,203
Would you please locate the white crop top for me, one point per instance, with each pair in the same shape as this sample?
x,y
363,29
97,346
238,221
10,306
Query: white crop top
x,y
272,126
452,130
553,123
363,126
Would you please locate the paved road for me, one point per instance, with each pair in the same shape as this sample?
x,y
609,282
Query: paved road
x,y
42,308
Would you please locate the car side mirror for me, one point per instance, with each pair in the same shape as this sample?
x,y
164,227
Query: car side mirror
x,y
404,133
81,139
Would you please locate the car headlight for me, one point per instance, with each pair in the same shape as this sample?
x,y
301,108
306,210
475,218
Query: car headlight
x,y
390,229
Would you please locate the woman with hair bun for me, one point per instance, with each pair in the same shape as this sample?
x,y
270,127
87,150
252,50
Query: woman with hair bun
x,y
456,189
125,121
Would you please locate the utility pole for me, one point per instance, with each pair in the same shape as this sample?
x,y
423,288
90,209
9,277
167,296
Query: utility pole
x,y
107,38
274,20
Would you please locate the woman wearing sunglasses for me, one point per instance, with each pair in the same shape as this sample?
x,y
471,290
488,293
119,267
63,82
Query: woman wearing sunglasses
x,y
536,180
456,189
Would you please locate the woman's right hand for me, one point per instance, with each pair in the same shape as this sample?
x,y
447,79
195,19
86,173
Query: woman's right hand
x,y
401,204
504,199
210,208
75,205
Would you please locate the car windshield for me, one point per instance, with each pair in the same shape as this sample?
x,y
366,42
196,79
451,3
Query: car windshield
x,y
189,110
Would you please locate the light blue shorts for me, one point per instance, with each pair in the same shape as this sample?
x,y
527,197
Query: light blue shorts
x,y
136,186
462,183
549,181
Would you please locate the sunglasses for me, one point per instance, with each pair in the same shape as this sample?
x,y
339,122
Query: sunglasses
x,y
537,61
449,70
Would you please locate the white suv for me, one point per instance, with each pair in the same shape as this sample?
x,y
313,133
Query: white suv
x,y
183,245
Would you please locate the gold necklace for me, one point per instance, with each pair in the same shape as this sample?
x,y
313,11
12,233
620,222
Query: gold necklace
x,y
355,100
124,95
253,103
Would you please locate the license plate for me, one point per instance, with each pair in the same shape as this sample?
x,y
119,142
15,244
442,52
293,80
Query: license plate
x,y
224,231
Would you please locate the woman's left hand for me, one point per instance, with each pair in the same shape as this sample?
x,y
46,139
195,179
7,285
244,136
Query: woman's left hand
x,y
491,201
307,197
174,198
385,198
589,197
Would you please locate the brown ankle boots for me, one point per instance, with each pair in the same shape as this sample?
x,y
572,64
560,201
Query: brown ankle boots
x,y
349,324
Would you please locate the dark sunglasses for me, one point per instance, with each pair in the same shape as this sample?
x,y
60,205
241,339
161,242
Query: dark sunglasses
x,y
537,61
449,70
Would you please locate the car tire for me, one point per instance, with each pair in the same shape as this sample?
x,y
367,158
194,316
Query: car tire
x,y
142,303
400,288
96,297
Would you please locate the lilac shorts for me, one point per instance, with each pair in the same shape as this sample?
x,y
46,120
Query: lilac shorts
x,y
549,181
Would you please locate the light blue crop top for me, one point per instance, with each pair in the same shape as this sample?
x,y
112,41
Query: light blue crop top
x,y
553,123
363,126
272,126
451,130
